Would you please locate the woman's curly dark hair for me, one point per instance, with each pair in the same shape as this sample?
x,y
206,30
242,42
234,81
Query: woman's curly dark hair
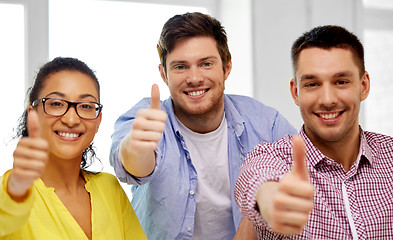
x,y
57,65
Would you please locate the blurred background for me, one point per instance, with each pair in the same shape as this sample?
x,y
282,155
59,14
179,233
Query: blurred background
x,y
117,39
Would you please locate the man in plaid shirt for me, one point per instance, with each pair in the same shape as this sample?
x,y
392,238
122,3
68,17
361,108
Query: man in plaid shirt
x,y
334,181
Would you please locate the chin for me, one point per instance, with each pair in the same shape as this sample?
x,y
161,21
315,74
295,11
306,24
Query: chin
x,y
68,153
330,135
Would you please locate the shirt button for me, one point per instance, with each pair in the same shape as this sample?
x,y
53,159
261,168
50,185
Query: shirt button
x,y
192,192
189,229
188,157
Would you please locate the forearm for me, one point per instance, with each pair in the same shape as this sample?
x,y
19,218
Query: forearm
x,y
246,230
246,196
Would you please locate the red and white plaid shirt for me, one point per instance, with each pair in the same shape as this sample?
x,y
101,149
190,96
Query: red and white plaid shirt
x,y
357,204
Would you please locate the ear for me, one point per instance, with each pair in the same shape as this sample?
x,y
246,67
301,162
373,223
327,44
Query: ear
x,y
228,69
29,108
365,83
162,73
294,91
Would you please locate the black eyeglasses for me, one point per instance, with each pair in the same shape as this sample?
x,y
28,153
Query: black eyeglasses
x,y
58,107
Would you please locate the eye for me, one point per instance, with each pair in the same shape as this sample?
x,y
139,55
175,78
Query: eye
x,y
87,106
207,64
310,85
55,103
179,67
342,82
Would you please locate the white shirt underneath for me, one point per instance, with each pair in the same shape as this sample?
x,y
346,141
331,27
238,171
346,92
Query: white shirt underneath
x,y
209,155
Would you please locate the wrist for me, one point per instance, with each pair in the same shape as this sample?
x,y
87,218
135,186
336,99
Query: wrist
x,y
265,196
16,191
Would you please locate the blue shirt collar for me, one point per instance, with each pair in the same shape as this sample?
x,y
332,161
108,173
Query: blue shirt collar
x,y
232,115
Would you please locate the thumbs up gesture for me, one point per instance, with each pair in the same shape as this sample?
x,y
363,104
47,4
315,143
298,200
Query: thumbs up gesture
x,y
285,205
30,158
137,148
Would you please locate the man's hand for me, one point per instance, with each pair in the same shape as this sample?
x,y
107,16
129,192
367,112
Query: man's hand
x,y
286,205
30,158
245,231
137,148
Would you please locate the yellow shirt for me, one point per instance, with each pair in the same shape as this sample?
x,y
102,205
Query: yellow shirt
x,y
43,216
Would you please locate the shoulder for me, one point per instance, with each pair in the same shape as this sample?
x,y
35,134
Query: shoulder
x,y
283,144
280,148
377,139
270,158
378,147
246,105
102,179
257,116
240,100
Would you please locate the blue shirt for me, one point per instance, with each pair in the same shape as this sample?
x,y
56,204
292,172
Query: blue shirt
x,y
165,200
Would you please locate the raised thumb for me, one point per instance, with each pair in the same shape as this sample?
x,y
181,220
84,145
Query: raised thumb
x,y
299,157
33,126
155,97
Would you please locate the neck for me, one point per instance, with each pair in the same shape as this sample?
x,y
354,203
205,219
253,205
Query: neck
x,y
344,151
63,174
202,123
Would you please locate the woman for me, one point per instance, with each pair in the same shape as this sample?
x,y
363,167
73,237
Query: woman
x,y
48,194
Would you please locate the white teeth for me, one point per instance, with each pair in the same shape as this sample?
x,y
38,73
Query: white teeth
x,y
68,135
196,93
329,116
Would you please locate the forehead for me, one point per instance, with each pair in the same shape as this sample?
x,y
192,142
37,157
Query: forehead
x,y
325,61
69,83
194,47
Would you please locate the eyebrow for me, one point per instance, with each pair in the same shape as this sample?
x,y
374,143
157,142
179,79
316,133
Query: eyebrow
x,y
209,57
307,77
183,61
177,62
63,95
336,75
343,74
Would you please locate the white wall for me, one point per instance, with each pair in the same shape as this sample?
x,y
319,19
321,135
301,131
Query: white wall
x,y
236,18
276,25
260,34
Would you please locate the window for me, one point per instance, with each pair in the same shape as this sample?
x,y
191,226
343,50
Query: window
x,y
117,39
378,44
382,4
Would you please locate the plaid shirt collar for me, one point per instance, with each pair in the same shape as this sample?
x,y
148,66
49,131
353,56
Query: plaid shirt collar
x,y
318,158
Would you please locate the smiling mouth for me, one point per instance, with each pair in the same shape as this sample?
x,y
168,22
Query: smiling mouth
x,y
68,135
330,115
196,93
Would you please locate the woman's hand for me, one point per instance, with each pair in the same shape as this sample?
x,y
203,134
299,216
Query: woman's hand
x,y
30,158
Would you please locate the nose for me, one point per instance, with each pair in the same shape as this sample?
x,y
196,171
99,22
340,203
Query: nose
x,y
70,118
195,76
328,96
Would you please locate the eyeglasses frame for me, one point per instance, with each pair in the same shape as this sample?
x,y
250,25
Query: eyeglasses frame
x,y
70,104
